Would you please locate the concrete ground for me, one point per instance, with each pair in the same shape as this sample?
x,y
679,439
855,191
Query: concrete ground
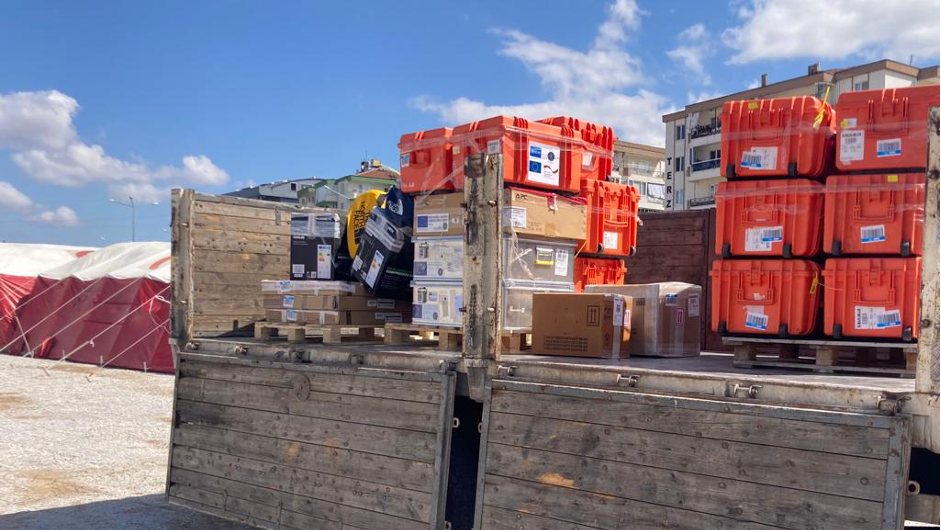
x,y
86,448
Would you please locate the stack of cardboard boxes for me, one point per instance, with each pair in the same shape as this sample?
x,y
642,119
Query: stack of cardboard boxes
x,y
329,303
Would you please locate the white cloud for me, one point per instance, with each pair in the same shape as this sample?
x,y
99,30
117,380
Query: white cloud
x,y
871,29
61,216
694,46
38,128
12,198
590,85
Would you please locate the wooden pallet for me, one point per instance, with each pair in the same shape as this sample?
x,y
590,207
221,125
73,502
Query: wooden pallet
x,y
860,356
329,334
450,338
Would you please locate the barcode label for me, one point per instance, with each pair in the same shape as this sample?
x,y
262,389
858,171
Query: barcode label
x,y
761,158
851,144
889,319
756,321
761,239
872,234
771,235
877,318
892,147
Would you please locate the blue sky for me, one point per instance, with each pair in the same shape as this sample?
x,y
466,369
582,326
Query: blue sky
x,y
135,97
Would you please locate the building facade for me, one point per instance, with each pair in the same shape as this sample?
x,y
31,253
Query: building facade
x,y
692,137
339,193
641,166
283,191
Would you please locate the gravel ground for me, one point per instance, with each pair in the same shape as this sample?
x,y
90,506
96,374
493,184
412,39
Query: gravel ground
x,y
86,448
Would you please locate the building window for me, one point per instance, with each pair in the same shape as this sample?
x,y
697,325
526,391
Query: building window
x,y
712,190
681,132
679,163
293,186
861,85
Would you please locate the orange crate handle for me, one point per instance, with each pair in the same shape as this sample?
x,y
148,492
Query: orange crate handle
x,y
759,200
740,293
887,108
889,214
873,275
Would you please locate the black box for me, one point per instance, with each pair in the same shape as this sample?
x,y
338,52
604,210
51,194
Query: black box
x,y
316,247
383,262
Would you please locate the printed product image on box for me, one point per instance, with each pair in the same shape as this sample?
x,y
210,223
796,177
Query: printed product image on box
x,y
316,245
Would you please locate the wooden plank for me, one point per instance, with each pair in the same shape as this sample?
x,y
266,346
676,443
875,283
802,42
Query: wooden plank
x,y
245,279
241,242
395,388
398,472
671,221
751,428
647,237
312,510
181,256
300,401
228,224
386,441
221,513
746,501
773,466
340,490
500,519
215,261
217,291
228,306
252,211
600,511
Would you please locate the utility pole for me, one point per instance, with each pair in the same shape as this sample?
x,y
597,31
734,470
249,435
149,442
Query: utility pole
x,y
130,204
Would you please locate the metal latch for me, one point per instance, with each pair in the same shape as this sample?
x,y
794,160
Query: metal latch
x,y
628,380
892,405
751,390
357,359
506,371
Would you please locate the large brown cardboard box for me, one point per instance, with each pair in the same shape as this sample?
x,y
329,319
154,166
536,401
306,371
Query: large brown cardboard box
x,y
525,212
578,324
351,318
317,287
333,302
666,318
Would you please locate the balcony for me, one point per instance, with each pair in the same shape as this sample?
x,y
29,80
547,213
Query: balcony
x,y
704,130
703,165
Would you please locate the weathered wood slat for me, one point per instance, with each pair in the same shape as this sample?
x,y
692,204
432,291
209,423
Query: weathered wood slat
x,y
216,261
774,466
796,434
356,409
223,279
250,211
313,512
398,472
228,306
221,513
501,519
600,511
228,223
400,443
772,505
393,388
670,237
277,244
331,488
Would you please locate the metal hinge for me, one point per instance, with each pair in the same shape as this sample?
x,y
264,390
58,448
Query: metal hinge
x,y
893,405
506,371
628,380
750,391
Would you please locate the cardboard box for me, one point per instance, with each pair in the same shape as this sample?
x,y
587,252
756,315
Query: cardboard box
x,y
666,319
578,324
351,318
313,287
439,258
316,244
332,302
525,212
438,303
384,258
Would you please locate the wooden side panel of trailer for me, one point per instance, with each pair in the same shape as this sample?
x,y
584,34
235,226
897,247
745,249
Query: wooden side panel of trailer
x,y
291,445
562,457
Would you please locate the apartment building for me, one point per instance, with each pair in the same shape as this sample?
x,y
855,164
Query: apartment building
x,y
340,192
692,134
281,191
641,166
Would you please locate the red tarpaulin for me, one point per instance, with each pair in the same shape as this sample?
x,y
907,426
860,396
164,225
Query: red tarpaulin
x,y
108,308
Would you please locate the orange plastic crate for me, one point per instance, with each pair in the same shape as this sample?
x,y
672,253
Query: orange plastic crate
x,y
598,271
425,161
884,129
592,155
874,214
612,218
765,296
872,297
776,138
773,217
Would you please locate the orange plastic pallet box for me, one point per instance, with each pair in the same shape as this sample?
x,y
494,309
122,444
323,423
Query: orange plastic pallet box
x,y
764,296
884,129
776,137
775,217
598,271
425,161
612,218
872,297
874,214
595,158
532,151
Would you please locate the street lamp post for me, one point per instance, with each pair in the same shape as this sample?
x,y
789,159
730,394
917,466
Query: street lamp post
x,y
130,204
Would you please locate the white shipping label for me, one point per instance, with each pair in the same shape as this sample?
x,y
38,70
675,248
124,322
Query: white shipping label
x,y
670,299
324,262
692,305
627,318
431,222
561,263
760,158
876,318
891,147
287,301
756,321
761,239
374,269
852,142
493,147
380,303
872,234
543,164
297,269
587,160
285,286
514,217
618,312
290,315
357,263
610,240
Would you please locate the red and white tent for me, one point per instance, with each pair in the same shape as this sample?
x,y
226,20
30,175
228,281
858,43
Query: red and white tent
x,y
109,308
20,264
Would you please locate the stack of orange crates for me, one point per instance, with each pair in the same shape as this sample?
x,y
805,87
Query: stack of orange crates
x,y
874,215
561,154
769,215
